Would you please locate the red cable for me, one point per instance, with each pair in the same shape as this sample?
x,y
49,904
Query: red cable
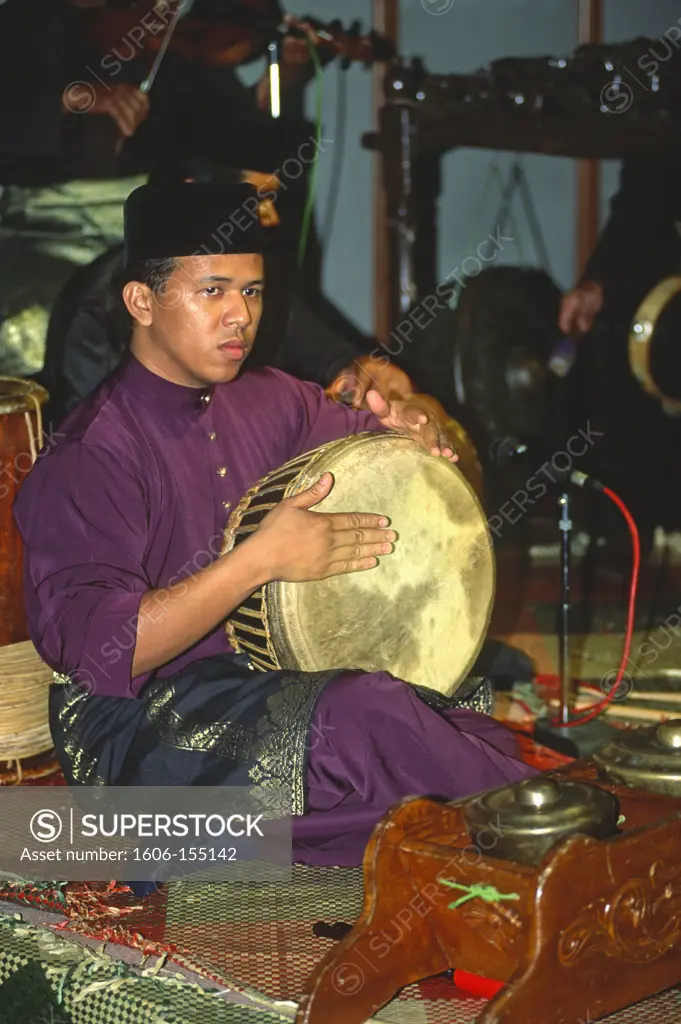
x,y
486,987
595,709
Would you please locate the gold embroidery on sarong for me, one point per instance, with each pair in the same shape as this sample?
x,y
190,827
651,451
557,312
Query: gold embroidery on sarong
x,y
475,693
276,748
83,766
224,738
281,753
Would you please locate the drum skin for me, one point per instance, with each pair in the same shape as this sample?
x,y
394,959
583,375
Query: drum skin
x,y
421,614
15,462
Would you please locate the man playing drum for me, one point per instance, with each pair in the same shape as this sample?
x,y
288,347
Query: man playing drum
x,y
123,520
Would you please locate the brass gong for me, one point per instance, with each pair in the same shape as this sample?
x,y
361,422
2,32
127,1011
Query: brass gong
x,y
648,758
532,816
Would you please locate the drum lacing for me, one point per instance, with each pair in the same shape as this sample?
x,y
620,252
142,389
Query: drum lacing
x,y
35,443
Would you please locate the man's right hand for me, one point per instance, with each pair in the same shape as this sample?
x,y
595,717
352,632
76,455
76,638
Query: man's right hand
x,y
579,308
296,545
124,103
292,544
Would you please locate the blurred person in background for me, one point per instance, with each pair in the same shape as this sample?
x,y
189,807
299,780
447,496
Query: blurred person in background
x,y
639,454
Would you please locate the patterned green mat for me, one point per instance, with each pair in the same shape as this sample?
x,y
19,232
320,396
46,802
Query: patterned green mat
x,y
46,979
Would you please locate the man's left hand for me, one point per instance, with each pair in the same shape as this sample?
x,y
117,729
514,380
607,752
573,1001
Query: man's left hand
x,y
411,417
350,386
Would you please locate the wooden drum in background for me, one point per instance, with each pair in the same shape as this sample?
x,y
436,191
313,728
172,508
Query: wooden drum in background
x,y
20,441
421,614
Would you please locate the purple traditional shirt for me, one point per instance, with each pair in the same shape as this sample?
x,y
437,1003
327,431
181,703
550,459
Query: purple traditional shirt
x,y
135,496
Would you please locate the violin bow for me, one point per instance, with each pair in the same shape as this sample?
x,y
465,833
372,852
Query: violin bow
x,y
158,59
149,80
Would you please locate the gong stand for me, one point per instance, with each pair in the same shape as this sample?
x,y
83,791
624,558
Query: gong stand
x,y
411,184
593,927
519,105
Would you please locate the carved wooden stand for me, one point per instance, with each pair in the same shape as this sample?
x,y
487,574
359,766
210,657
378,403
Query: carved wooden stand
x,y
595,928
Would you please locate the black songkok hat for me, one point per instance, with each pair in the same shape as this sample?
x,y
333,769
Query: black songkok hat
x,y
191,219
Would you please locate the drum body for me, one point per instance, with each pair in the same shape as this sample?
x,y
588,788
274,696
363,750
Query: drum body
x,y
421,614
20,441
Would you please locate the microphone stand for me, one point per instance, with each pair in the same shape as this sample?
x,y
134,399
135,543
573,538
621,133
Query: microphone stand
x,y
579,740
565,527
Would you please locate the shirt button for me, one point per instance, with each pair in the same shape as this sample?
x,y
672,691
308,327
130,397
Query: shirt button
x,y
227,504
222,471
212,436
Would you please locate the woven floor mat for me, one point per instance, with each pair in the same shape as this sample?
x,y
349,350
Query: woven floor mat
x,y
263,935
256,942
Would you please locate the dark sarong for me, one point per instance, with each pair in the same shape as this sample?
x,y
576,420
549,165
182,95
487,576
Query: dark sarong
x,y
346,745
216,723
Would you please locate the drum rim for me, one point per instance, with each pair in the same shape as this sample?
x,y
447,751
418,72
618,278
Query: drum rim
x,y
642,334
269,660
19,401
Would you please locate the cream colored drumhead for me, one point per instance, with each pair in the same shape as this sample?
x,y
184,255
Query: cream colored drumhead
x,y
423,612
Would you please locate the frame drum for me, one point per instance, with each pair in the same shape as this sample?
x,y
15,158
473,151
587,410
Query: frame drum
x,y
20,441
655,344
421,614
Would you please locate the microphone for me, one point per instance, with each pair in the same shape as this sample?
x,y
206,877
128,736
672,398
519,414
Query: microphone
x,y
503,450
